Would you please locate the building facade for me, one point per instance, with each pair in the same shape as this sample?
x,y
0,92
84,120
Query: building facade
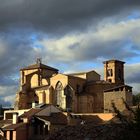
x,y
32,124
78,92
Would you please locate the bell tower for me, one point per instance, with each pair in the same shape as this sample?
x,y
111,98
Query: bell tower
x,y
114,71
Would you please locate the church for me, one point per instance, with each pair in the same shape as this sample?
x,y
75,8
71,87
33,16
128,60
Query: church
x,y
82,92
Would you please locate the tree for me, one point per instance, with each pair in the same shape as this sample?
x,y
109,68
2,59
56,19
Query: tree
x,y
1,110
136,99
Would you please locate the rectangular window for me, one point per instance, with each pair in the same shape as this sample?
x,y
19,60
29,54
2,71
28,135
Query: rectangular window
x,y
46,129
77,88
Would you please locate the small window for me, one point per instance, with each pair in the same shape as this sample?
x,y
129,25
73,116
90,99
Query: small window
x,y
109,72
23,77
119,74
77,88
46,129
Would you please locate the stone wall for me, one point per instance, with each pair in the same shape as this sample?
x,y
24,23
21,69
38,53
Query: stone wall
x,y
116,98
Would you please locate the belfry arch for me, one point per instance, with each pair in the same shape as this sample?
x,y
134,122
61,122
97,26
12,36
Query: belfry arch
x,y
34,80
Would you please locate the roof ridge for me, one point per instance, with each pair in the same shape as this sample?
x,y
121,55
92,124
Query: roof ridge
x,y
39,65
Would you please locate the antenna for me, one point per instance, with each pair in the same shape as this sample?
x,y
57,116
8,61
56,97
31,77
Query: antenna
x,y
38,60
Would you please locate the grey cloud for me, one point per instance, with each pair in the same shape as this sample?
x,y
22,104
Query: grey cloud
x,y
8,81
7,90
4,103
54,15
16,51
91,50
7,94
132,73
106,50
134,78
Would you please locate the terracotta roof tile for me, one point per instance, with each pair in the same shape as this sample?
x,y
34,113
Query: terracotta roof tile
x,y
13,126
30,113
5,122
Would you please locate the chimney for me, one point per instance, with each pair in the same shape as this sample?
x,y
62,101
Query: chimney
x,y
33,104
15,117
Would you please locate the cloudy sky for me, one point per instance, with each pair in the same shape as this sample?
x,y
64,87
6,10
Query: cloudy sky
x,y
71,35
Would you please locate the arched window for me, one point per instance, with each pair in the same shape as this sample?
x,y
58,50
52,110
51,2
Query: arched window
x,y
34,80
68,93
60,98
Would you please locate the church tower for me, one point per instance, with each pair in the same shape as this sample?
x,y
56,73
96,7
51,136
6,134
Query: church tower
x,y
114,71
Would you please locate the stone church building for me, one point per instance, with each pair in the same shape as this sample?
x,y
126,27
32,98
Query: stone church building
x,y
77,92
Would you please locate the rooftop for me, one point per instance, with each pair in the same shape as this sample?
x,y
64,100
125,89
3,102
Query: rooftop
x,y
113,60
13,126
55,118
81,73
117,87
39,65
30,113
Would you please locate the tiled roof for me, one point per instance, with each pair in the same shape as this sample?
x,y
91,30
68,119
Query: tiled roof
x,y
39,65
5,122
13,126
55,118
30,113
113,60
79,73
116,87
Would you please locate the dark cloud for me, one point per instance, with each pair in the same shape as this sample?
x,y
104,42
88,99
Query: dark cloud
x,y
134,77
110,42
24,22
7,94
132,73
54,15
16,50
8,81
106,50
4,103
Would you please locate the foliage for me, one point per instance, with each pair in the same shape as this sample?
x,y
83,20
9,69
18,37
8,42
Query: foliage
x,y
137,117
119,115
1,110
132,127
136,99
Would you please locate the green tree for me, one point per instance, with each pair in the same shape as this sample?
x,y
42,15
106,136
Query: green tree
x,y
136,99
